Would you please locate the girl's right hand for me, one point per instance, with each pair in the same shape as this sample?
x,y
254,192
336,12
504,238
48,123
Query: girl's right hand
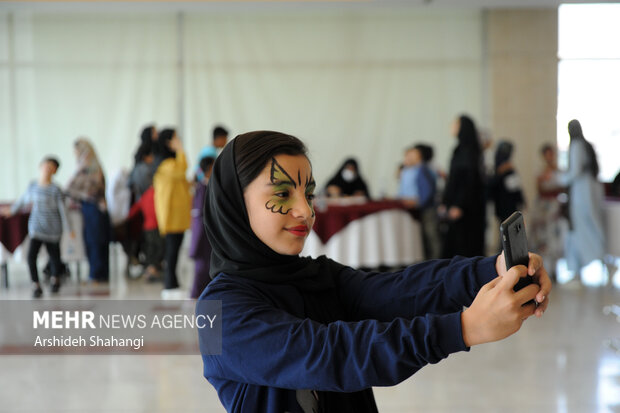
x,y
497,311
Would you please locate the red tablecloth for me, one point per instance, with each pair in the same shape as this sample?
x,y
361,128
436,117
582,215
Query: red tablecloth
x,y
13,230
336,217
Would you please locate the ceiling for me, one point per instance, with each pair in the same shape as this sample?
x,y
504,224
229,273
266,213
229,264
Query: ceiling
x,y
257,5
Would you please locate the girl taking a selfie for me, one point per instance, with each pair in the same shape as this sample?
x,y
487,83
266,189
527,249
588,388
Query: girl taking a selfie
x,y
304,335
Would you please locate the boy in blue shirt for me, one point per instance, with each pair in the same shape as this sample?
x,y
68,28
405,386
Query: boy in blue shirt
x,y
418,189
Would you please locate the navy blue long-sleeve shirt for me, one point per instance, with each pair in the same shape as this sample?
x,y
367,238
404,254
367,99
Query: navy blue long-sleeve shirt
x,y
403,321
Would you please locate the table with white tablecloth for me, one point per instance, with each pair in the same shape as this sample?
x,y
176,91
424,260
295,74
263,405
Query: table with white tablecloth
x,y
389,237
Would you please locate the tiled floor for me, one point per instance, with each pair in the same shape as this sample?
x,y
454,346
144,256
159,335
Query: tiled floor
x,y
556,364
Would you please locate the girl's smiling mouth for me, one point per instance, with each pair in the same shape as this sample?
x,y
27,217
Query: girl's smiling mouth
x,y
300,230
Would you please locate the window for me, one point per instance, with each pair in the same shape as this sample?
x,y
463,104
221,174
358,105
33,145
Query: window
x,y
589,80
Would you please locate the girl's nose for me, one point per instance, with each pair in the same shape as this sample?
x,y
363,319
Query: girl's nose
x,y
301,208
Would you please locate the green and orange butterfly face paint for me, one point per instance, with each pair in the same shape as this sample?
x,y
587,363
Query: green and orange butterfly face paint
x,y
281,202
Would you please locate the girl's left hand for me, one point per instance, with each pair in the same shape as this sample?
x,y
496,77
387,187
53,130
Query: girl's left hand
x,y
537,271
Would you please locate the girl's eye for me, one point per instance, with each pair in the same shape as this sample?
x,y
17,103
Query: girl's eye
x,y
282,194
310,197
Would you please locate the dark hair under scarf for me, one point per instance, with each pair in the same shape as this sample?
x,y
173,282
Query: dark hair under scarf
x,y
576,133
238,251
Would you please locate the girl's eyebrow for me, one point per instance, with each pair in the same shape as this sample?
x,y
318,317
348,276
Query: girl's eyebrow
x,y
280,183
310,184
279,174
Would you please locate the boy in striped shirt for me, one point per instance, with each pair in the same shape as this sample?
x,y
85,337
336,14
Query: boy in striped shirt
x,y
46,223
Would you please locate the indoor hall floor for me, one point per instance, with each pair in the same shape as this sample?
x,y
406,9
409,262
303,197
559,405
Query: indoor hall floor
x,y
555,364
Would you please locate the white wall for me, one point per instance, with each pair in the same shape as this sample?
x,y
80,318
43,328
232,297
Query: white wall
x,y
348,82
523,72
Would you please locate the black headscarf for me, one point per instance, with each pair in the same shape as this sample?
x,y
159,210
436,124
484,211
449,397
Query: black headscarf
x,y
576,133
346,187
503,153
468,153
238,251
468,135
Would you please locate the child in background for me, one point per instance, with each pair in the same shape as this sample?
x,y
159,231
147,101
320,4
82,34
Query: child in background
x,y
220,138
152,242
418,189
199,248
46,222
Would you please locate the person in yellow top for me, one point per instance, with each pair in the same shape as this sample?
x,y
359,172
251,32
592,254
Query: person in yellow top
x,y
172,204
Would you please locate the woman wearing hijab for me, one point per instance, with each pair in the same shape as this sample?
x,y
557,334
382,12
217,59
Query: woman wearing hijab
x,y
305,335
586,239
463,206
88,187
172,205
505,185
347,182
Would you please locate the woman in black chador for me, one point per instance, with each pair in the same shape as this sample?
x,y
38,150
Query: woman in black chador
x,y
347,182
463,205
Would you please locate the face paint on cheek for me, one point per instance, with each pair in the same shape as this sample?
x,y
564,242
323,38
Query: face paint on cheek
x,y
278,204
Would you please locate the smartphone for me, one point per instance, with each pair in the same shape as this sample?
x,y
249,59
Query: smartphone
x,y
514,243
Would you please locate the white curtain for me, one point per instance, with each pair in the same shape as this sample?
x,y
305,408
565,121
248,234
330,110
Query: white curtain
x,y
363,83
100,76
